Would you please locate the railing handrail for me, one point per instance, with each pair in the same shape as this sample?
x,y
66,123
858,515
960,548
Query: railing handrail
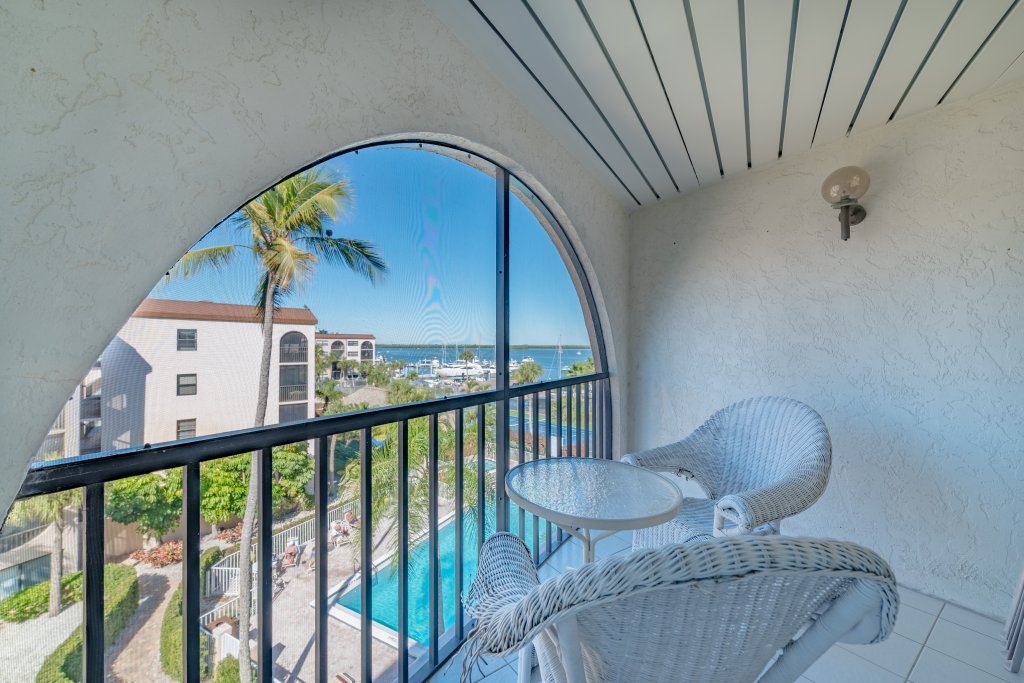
x,y
53,476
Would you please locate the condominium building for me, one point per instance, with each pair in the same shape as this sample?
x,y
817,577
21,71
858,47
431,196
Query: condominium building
x,y
360,347
179,369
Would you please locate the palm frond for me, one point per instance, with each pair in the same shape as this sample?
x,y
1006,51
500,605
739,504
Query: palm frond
x,y
289,263
358,255
197,260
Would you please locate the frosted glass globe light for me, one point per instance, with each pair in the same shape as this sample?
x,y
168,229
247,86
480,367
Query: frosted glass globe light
x,y
848,182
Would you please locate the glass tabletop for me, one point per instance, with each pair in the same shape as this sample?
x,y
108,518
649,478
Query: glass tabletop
x,y
593,494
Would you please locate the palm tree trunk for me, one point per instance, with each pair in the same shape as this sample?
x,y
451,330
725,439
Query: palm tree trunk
x,y
56,564
249,518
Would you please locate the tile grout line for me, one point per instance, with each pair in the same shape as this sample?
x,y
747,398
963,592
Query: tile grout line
x,y
925,643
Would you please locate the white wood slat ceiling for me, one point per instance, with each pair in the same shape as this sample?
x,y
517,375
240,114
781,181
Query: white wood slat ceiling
x,y
659,97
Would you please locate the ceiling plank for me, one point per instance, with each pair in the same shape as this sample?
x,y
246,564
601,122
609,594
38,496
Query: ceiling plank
x,y
817,34
716,25
920,25
518,28
624,40
965,34
1015,72
867,27
569,30
768,30
667,30
995,58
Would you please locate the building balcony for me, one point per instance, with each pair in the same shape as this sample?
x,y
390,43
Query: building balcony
x,y
295,392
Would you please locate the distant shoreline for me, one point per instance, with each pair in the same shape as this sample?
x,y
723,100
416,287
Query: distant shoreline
x,y
481,346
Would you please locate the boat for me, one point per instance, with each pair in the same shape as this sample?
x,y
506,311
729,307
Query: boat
x,y
460,368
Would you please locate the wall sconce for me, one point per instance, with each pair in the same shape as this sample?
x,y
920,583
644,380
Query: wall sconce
x,y
842,189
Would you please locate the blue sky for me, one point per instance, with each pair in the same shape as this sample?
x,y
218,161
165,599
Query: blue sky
x,y
432,219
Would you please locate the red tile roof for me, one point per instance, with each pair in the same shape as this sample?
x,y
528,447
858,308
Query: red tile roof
x,y
209,310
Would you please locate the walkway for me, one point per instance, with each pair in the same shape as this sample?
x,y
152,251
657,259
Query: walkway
x,y
27,644
136,655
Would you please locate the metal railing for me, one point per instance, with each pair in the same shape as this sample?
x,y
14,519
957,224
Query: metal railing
x,y
293,392
564,418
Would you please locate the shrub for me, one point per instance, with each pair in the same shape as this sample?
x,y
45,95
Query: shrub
x,y
207,559
227,671
35,600
170,640
120,600
160,556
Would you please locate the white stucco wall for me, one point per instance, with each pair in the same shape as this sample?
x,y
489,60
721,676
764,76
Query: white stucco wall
x,y
908,339
129,129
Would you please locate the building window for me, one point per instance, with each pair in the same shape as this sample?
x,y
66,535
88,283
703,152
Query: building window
x,y
366,351
186,428
293,348
353,344
186,385
293,412
337,347
186,340
293,383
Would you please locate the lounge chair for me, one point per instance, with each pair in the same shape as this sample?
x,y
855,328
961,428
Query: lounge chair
x,y
719,611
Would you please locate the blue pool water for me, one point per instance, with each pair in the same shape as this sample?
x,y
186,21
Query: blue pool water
x,y
385,579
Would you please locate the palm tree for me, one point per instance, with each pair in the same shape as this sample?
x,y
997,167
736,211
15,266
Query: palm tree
x,y
581,367
466,355
50,509
286,235
527,373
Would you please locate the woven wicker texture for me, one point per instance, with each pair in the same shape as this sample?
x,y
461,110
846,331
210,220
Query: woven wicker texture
x,y
724,610
759,461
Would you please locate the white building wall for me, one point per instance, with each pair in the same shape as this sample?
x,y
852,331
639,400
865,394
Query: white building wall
x,y
131,128
908,338
141,365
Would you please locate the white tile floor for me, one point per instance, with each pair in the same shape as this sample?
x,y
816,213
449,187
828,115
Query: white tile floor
x,y
934,642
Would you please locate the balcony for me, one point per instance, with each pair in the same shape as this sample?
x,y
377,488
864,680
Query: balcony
x,y
511,425
294,392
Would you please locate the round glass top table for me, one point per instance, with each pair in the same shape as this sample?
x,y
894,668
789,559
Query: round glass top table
x,y
582,495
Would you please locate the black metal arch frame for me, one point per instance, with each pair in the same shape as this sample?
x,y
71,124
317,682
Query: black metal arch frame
x,y
582,431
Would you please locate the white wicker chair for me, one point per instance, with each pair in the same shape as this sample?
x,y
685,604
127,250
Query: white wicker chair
x,y
758,461
719,611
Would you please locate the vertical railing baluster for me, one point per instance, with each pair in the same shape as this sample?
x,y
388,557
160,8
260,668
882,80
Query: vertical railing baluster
x,y
598,423
92,602
547,451
586,420
570,437
607,408
403,551
190,588
460,482
265,564
321,483
535,426
579,420
558,422
522,458
561,440
366,564
434,585
481,475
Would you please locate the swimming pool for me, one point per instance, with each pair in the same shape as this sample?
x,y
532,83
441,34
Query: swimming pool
x,y
385,578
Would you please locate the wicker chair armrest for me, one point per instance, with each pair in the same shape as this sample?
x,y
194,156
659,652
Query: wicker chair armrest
x,y
784,498
692,458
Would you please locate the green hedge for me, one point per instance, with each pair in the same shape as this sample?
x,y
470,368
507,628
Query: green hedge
x,y
35,600
120,600
207,559
227,671
170,640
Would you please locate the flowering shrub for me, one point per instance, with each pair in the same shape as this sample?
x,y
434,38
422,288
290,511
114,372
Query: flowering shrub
x,y
160,556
